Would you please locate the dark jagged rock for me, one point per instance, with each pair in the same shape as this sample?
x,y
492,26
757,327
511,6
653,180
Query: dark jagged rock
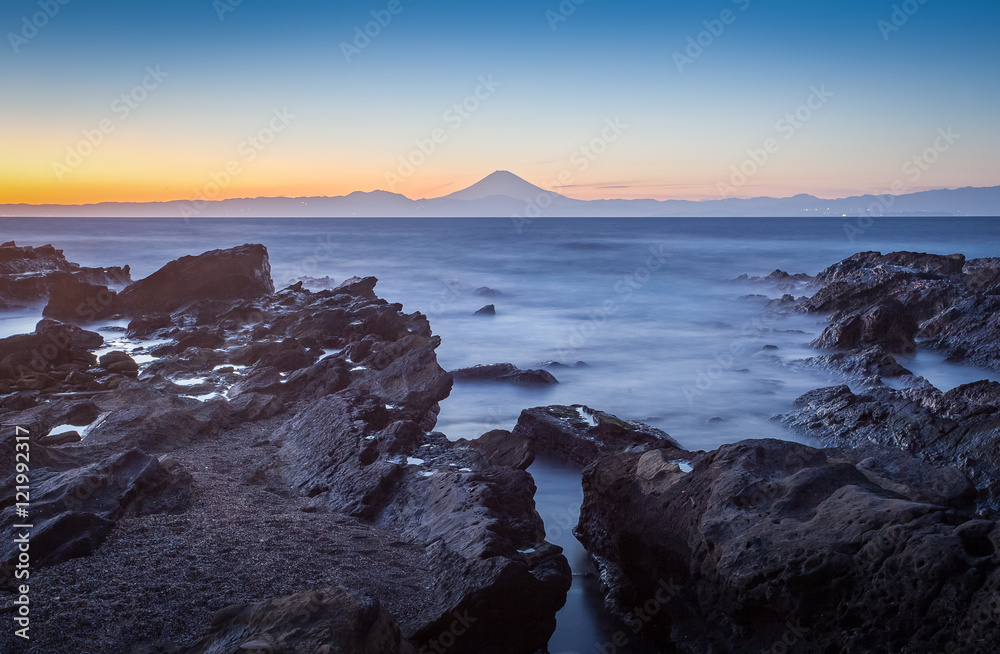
x,y
888,324
865,279
146,326
314,284
505,372
359,457
967,332
485,372
486,291
557,364
28,361
152,420
73,509
364,450
363,287
326,620
780,280
199,338
352,386
236,274
914,261
579,434
983,275
530,378
769,544
30,274
488,310
502,448
22,260
946,302
285,355
959,428
73,300
118,360
872,363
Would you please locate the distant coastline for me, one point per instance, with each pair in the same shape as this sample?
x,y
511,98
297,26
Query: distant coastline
x,y
505,195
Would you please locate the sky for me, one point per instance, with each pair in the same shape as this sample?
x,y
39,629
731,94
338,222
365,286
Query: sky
x,y
210,99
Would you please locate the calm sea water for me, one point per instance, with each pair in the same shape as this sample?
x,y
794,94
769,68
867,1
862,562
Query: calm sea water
x,y
646,303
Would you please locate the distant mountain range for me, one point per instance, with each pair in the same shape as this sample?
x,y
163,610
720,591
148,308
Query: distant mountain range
x,y
503,194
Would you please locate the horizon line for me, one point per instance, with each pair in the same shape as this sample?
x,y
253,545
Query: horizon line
x,y
543,190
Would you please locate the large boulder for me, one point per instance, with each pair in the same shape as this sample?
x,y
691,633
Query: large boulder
x,y
769,546
76,301
578,434
239,273
959,428
52,345
503,448
888,324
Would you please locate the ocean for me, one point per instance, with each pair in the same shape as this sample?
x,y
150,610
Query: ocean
x,y
648,305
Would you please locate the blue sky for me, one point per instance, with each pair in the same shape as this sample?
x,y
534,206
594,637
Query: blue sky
x,y
560,71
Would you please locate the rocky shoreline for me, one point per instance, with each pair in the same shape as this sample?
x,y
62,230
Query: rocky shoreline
x,y
282,442
252,469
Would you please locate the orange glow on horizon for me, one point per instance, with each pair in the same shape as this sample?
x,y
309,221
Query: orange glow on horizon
x,y
39,193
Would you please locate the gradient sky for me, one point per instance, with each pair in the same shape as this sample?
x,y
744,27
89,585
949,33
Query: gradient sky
x,y
558,87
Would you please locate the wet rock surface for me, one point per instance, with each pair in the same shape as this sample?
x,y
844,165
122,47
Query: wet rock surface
x,y
578,434
959,428
270,448
767,544
30,275
505,372
239,273
894,300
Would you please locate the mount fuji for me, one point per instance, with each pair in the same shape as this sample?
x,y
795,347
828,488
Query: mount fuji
x,y
505,195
